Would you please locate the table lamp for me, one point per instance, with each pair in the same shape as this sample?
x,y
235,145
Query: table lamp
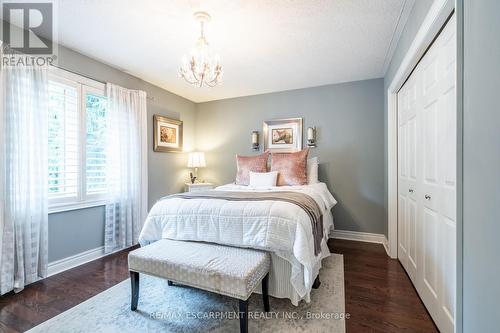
x,y
196,160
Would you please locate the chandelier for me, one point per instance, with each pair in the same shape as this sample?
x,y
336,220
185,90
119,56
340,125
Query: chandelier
x,y
203,66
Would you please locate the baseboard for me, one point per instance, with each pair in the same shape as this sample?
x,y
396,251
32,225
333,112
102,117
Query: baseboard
x,y
64,264
61,265
360,236
386,246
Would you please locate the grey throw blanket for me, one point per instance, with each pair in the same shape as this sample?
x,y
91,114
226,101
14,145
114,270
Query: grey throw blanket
x,y
304,201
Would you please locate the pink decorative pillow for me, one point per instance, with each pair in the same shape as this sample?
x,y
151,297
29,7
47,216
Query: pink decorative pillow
x,y
291,167
245,164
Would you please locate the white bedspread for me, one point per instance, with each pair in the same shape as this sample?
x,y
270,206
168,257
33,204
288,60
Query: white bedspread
x,y
276,226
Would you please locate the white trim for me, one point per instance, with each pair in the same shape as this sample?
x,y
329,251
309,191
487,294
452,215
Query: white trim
x,y
64,264
433,22
75,206
398,31
386,246
359,236
61,265
82,199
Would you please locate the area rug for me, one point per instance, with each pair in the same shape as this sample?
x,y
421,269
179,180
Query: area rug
x,y
164,308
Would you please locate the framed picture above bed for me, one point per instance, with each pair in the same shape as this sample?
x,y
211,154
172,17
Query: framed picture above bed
x,y
167,134
283,135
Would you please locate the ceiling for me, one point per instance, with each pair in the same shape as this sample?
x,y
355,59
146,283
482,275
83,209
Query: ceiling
x,y
265,45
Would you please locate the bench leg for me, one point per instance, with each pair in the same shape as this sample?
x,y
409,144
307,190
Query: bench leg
x,y
265,292
134,279
316,283
243,316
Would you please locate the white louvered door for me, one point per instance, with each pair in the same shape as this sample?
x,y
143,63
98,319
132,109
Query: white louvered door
x,y
427,177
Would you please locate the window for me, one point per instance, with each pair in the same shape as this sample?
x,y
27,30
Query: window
x,y
63,149
76,142
95,166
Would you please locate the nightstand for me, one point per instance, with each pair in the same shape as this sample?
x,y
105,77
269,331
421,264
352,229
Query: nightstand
x,y
198,187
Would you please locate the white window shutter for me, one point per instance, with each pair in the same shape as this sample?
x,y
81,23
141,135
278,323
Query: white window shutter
x,y
63,145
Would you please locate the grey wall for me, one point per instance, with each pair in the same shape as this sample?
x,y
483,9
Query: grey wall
x,y
415,19
167,171
481,166
349,121
75,231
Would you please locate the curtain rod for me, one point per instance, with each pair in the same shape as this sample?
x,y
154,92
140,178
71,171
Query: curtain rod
x,y
91,78
78,73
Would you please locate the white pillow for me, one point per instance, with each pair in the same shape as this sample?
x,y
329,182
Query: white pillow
x,y
312,170
263,179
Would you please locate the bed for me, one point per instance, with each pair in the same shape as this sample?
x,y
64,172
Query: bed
x,y
282,228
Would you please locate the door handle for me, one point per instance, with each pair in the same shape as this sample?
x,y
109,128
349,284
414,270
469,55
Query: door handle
x,y
410,190
428,197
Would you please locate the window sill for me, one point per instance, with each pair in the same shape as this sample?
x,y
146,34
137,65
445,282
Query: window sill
x,y
75,206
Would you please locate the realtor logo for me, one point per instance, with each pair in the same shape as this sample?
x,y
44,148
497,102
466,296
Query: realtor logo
x,y
28,37
28,27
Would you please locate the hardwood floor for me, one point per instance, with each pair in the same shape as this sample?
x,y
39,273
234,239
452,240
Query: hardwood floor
x,y
379,294
45,299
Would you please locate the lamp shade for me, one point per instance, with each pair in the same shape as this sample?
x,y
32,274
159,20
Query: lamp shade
x,y
196,160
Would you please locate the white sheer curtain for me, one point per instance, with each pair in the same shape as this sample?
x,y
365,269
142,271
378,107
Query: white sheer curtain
x,y
23,177
127,149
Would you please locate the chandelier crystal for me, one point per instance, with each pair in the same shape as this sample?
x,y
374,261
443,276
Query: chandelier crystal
x,y
203,65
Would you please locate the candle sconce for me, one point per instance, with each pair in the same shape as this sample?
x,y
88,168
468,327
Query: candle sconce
x,y
255,141
311,137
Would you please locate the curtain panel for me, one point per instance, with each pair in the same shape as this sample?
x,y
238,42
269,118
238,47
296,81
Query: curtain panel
x,y
23,177
126,154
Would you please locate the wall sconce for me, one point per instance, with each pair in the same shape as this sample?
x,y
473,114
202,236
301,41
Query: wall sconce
x,y
311,137
255,141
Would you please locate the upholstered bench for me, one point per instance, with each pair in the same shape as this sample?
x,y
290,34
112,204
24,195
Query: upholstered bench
x,y
230,271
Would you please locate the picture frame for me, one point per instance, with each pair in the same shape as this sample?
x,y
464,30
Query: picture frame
x,y
167,134
283,135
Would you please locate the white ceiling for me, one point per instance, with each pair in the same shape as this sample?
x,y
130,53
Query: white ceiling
x,y
265,45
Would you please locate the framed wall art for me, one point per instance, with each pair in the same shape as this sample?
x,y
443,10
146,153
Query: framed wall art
x,y
167,134
283,135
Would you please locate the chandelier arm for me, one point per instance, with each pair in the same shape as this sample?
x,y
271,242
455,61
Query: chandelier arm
x,y
211,85
188,80
202,79
215,79
214,82
189,76
194,73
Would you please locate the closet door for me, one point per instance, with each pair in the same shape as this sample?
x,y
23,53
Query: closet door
x,y
427,178
438,207
448,177
407,182
402,177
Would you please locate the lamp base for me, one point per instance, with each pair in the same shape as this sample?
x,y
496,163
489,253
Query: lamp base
x,y
193,178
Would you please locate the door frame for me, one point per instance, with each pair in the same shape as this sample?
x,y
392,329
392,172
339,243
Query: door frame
x,y
431,26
